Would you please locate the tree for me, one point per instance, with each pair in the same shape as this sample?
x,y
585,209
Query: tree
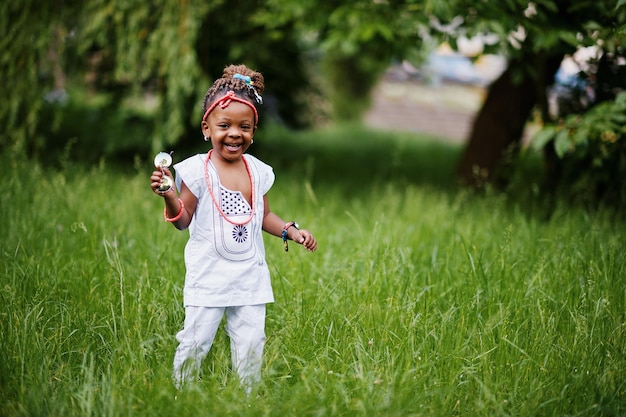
x,y
171,47
359,38
24,64
547,31
169,50
129,45
356,41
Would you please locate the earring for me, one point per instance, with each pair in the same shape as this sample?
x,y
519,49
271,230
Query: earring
x,y
251,141
206,139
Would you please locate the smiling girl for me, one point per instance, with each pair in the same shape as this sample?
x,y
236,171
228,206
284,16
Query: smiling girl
x,y
223,201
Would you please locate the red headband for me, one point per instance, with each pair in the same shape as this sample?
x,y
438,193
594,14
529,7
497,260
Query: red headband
x,y
225,102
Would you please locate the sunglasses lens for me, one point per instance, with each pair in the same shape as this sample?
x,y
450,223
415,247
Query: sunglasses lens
x,y
163,160
166,184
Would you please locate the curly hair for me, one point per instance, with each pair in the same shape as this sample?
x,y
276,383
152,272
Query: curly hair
x,y
228,82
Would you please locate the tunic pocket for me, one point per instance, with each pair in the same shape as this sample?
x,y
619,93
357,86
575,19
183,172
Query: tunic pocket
x,y
235,241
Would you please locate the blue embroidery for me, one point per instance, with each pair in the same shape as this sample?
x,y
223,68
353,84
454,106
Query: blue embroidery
x,y
240,233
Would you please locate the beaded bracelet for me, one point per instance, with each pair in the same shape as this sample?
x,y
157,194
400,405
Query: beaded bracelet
x,y
178,216
284,233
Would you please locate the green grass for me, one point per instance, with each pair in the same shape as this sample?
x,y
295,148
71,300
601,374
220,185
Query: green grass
x,y
423,299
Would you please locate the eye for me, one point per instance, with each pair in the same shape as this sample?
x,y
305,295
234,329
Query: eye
x,y
222,125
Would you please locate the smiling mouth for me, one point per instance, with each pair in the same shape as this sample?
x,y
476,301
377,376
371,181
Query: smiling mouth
x,y
233,146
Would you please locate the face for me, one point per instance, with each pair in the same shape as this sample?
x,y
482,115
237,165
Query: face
x,y
231,130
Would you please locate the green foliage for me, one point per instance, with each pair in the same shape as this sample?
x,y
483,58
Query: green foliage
x,y
310,51
149,44
546,24
422,299
351,73
128,48
360,38
592,147
360,41
273,45
95,127
158,52
357,41
169,49
27,66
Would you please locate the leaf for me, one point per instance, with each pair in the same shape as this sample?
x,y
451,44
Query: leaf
x,y
550,5
619,118
593,25
561,143
570,37
543,137
620,100
579,137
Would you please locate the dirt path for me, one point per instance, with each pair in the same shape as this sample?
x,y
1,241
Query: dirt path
x,y
445,111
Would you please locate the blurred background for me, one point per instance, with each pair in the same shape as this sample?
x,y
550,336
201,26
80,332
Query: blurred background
x,y
120,80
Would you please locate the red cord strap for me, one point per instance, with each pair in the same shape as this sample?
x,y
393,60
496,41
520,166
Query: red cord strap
x,y
225,102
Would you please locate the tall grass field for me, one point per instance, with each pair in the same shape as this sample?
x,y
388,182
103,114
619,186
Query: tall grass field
x,y
423,299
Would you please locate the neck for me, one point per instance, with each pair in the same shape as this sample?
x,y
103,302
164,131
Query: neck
x,y
217,205
218,160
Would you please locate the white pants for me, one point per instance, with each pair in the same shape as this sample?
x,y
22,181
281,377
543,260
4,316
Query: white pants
x,y
245,326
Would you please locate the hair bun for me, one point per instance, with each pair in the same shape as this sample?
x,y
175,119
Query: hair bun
x,y
256,77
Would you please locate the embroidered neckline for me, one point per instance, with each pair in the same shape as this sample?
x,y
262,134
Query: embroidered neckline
x,y
216,203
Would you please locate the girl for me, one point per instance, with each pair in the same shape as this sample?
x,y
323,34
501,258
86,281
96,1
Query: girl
x,y
224,204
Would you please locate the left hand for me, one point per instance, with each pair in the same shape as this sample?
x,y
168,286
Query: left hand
x,y
303,237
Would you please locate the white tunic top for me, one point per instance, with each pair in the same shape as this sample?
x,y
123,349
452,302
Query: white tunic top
x,y
225,262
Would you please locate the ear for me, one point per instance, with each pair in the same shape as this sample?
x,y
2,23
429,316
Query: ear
x,y
206,130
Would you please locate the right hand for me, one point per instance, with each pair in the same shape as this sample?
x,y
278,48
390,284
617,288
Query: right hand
x,y
157,178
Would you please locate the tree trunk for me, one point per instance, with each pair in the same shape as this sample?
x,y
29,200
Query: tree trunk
x,y
498,127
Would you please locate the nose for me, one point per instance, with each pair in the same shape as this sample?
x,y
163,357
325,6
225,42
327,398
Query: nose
x,y
234,131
